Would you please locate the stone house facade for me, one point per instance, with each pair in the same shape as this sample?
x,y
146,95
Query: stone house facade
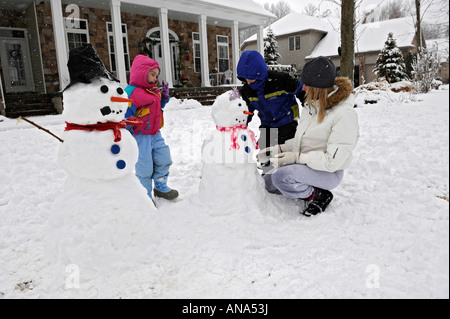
x,y
189,38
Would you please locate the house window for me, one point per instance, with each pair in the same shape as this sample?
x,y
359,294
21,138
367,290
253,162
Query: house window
x,y
197,56
112,53
77,32
223,53
294,43
297,43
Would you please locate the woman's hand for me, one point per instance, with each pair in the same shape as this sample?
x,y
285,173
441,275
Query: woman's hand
x,y
264,155
284,159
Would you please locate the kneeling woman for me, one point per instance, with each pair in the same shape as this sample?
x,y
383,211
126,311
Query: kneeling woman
x,y
313,162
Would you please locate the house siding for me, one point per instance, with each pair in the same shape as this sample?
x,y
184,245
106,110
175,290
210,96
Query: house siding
x,y
308,41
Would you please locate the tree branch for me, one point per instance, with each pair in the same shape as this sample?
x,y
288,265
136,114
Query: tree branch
x,y
41,128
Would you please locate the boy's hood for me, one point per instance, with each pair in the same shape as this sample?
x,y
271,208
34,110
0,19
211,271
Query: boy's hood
x,y
139,70
252,66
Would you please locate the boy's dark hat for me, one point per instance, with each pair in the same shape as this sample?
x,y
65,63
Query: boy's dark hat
x,y
319,73
85,65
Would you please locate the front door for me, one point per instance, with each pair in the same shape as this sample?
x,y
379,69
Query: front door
x,y
16,64
154,35
174,56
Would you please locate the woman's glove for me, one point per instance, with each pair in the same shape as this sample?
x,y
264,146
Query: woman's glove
x,y
284,159
264,155
165,90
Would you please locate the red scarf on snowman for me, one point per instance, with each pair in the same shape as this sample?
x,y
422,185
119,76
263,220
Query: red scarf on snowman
x,y
234,135
115,126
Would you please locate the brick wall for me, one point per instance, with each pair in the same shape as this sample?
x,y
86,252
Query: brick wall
x,y
12,19
137,28
48,49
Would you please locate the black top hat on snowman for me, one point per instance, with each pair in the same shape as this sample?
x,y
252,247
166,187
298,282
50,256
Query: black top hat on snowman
x,y
85,65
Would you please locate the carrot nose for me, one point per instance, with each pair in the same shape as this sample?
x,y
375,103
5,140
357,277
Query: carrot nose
x,y
120,100
248,113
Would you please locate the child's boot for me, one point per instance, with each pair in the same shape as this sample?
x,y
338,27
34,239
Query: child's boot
x,y
319,201
162,190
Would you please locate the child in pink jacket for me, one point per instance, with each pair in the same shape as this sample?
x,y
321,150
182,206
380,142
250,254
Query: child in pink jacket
x,y
149,101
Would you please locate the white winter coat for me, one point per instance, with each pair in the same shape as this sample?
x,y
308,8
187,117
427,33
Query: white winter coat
x,y
328,146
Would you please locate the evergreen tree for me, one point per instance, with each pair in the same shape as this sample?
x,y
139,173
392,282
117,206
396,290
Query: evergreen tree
x,y
271,54
390,64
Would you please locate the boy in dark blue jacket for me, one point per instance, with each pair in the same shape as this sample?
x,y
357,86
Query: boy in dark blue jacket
x,y
273,95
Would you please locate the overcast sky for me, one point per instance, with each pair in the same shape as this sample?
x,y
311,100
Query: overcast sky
x,y
299,5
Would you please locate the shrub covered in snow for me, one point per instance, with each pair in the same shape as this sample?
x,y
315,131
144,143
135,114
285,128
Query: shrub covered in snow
x,y
390,64
425,68
385,92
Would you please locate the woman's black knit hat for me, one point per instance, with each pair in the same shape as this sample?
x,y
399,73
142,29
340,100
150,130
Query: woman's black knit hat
x,y
319,73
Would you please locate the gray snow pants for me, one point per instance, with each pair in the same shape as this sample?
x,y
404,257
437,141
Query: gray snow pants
x,y
298,180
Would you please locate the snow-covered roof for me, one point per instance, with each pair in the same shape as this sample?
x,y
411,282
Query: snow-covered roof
x,y
369,37
295,23
241,5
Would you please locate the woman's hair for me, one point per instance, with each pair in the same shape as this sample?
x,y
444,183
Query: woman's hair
x,y
318,98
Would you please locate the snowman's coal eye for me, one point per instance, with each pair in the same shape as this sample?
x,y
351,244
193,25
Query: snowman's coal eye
x,y
104,89
240,104
120,91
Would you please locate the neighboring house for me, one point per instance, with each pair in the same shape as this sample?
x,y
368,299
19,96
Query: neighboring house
x,y
187,37
302,38
297,36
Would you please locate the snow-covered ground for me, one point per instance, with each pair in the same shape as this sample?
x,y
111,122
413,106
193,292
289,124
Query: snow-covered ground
x,y
385,235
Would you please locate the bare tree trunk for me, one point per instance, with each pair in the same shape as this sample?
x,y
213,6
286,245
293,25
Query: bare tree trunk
x,y
348,39
418,28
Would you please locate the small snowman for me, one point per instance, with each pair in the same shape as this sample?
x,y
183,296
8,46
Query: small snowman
x,y
232,142
102,219
230,177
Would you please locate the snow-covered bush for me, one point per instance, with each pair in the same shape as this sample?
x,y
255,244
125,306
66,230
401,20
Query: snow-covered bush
x,y
383,85
390,64
425,68
384,92
436,84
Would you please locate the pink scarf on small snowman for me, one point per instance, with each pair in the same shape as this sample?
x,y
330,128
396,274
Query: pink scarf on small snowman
x,y
234,135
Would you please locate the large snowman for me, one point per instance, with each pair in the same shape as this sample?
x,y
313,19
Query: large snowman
x,y
100,224
230,178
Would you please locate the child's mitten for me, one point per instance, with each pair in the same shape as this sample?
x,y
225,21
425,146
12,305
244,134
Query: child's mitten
x,y
165,90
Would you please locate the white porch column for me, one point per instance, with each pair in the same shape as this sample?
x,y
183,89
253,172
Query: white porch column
x,y
260,41
236,49
60,43
204,50
2,96
166,68
118,41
